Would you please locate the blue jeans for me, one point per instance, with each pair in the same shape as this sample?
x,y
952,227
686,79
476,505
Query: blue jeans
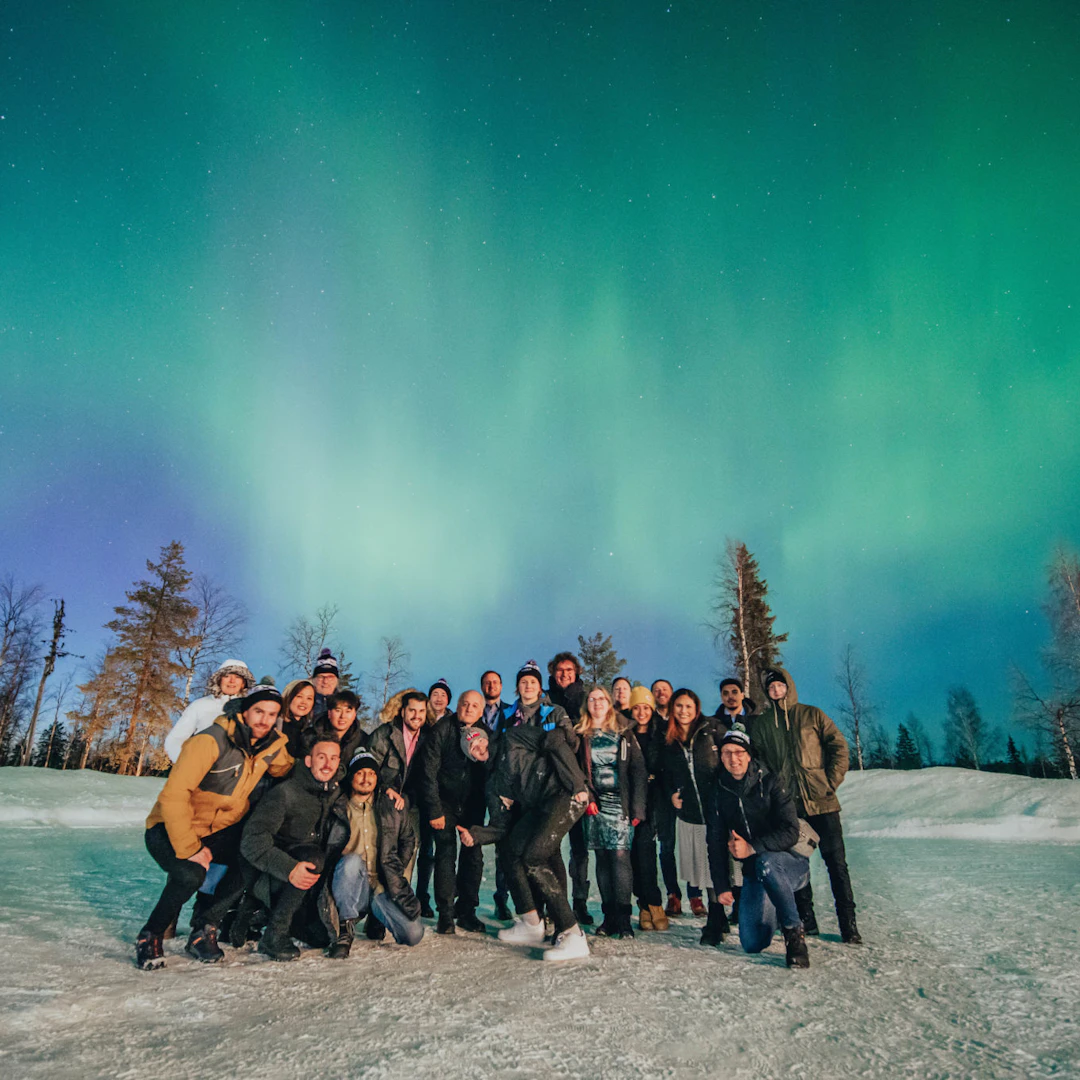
x,y
353,895
770,880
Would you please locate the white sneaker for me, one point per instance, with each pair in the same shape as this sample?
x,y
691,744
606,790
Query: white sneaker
x,y
523,933
569,945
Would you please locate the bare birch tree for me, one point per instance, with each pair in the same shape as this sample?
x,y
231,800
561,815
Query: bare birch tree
x,y
855,708
391,670
218,629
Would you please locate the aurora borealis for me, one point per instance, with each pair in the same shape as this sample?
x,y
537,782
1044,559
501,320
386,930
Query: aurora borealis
x,y
490,321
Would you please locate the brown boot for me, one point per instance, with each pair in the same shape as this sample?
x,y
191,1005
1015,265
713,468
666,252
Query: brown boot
x,y
645,919
659,919
674,906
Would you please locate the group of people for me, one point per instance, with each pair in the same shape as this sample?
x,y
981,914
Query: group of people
x,y
287,820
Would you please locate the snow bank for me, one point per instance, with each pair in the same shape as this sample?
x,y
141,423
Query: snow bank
x,y
74,798
960,804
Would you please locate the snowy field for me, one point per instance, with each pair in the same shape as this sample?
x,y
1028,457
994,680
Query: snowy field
x,y
969,901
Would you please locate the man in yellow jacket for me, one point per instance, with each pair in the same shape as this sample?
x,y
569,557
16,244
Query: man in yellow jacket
x,y
197,820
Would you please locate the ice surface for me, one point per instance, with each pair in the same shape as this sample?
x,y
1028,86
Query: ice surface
x,y
969,968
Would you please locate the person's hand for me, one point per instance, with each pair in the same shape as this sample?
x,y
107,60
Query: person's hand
x,y
676,801
396,799
507,803
592,809
739,848
303,875
582,797
202,857
725,898
438,822
466,836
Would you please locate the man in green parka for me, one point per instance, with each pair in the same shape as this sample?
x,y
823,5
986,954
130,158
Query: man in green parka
x,y
805,748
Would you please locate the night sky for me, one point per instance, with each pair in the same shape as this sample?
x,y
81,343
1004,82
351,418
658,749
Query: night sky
x,y
490,321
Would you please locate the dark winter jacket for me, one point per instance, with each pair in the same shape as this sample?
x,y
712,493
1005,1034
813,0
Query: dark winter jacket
x,y
704,749
530,768
803,747
571,700
758,809
351,740
749,709
299,812
633,778
450,781
651,743
387,743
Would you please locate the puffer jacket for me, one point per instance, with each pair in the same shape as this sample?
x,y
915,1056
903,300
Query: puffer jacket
x,y
803,747
704,750
651,742
209,788
759,809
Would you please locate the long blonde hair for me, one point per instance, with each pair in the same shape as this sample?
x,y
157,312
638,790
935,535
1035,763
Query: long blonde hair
x,y
613,721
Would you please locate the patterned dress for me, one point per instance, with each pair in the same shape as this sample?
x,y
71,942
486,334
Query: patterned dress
x,y
609,830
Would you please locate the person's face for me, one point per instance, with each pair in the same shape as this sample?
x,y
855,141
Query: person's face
x,y
364,781
439,699
565,673
529,689
491,684
302,703
470,708
642,713
684,710
325,683
777,690
732,697
598,705
735,759
323,761
415,715
478,750
261,717
661,691
621,694
341,717
231,685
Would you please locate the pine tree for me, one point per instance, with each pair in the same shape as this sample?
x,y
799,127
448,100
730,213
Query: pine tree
x,y
907,753
51,747
600,663
1013,758
741,618
55,653
150,630
965,730
103,698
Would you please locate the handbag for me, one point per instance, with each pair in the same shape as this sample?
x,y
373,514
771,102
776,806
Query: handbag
x,y
808,840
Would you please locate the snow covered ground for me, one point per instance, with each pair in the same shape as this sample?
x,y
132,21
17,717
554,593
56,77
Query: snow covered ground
x,y
969,900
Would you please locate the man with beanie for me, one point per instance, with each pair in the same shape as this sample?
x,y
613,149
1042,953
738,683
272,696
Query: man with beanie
x,y
197,819
369,878
807,752
753,820
451,794
325,676
287,838
648,728
495,712
439,698
230,680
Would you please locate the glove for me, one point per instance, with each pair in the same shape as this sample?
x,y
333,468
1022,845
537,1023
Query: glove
x,y
635,822
592,809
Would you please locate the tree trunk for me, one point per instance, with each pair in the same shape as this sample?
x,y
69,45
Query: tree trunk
x,y
1060,718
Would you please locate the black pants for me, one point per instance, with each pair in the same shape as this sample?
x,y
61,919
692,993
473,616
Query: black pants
x,y
643,859
614,875
831,846
425,860
665,833
579,863
185,877
456,873
533,859
285,898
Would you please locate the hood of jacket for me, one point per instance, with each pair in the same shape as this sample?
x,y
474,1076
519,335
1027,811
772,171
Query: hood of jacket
x,y
792,695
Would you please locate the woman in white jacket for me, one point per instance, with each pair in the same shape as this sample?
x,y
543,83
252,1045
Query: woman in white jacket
x,y
230,680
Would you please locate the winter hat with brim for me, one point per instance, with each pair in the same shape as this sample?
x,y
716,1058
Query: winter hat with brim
x,y
736,737
732,681
326,664
230,667
771,677
642,695
362,759
470,735
262,692
530,667
441,684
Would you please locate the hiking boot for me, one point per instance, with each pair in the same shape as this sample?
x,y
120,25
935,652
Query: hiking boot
x,y
659,917
278,947
795,940
503,912
697,907
569,945
149,955
339,950
804,901
645,919
446,923
203,944
467,920
849,932
581,913
523,933
241,924
674,906
716,926
374,929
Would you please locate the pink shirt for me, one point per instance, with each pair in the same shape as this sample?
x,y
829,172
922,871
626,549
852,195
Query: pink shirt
x,y
410,742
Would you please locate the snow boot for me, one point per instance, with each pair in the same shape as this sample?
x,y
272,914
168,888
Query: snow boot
x,y
339,949
503,912
149,955
278,946
581,913
523,933
467,920
804,901
203,944
374,929
849,932
645,918
241,923
626,921
795,940
697,907
610,925
716,926
659,917
569,945
674,906
446,923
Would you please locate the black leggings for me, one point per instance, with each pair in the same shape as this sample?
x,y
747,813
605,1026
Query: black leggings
x,y
614,875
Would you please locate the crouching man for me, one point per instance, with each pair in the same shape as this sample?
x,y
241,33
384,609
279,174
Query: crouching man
x,y
288,839
369,878
197,819
754,820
